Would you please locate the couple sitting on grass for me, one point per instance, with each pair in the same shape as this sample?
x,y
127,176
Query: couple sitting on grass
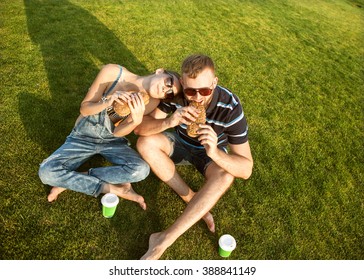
x,y
99,130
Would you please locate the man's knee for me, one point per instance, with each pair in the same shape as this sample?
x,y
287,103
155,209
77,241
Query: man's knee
x,y
142,142
227,178
147,144
217,174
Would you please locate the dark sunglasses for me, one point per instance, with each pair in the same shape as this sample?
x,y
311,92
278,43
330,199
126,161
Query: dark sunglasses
x,y
168,82
205,91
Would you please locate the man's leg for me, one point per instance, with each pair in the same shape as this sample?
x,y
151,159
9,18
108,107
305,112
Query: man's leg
x,y
217,182
155,150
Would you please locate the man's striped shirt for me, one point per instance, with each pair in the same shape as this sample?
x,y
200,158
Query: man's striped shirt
x,y
224,113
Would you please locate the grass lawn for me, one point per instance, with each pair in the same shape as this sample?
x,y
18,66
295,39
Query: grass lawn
x,y
297,67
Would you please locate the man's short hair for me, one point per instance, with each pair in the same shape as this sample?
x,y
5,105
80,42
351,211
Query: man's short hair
x,y
195,64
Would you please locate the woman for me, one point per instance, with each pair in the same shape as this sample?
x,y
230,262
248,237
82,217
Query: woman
x,y
99,130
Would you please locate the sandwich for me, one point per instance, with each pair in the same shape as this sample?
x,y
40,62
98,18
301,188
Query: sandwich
x,y
123,109
201,119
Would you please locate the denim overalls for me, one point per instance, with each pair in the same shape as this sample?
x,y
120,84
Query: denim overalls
x,y
93,135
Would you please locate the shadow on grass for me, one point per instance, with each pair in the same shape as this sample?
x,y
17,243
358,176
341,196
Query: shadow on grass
x,y
74,44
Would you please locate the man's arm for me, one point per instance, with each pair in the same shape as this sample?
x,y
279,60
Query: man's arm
x,y
159,121
239,162
137,109
153,123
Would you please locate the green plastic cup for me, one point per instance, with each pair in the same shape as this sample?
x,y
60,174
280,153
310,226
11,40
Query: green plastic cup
x,y
109,203
227,244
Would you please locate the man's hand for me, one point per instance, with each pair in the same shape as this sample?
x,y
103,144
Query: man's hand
x,y
208,138
184,115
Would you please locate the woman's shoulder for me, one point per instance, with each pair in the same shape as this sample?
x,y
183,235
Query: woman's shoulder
x,y
111,67
110,71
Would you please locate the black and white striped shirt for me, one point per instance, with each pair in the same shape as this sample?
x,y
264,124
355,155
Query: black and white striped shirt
x,y
224,113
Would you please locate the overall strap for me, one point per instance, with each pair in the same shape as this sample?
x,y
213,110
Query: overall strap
x,y
114,117
115,82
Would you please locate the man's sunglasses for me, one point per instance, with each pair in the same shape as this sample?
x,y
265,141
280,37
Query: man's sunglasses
x,y
168,82
205,91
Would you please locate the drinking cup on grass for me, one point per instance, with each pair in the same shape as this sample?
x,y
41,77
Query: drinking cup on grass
x,y
227,244
109,202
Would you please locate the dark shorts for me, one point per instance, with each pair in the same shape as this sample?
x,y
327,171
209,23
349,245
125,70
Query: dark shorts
x,y
184,154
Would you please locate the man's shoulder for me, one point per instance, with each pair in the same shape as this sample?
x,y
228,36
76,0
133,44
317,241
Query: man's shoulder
x,y
227,96
177,101
228,102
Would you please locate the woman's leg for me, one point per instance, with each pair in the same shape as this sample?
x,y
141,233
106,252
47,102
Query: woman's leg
x,y
58,170
128,168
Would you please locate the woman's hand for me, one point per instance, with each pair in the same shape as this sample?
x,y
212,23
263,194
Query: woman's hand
x,y
122,97
137,107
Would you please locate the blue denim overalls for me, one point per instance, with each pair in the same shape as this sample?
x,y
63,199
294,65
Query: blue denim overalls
x,y
93,135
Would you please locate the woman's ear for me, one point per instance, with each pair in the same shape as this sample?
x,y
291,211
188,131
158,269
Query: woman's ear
x,y
159,71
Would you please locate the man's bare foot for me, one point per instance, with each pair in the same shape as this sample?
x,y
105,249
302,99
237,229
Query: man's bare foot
x,y
209,220
156,249
53,194
127,192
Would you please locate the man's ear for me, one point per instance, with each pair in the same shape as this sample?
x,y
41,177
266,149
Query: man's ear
x,y
216,79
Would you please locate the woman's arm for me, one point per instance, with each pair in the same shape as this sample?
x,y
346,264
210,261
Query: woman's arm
x,y
92,103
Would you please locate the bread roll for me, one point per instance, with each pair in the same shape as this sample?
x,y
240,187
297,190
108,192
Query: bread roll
x,y
201,119
123,109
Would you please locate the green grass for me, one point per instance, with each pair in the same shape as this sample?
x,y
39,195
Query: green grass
x,y
297,67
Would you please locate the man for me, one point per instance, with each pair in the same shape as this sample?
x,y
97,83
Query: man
x,y
226,126
100,130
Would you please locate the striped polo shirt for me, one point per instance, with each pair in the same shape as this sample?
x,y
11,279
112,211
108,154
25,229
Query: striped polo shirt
x,y
224,114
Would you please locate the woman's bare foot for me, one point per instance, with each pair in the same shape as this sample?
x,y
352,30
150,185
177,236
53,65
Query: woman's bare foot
x,y
127,192
53,194
55,191
156,249
209,220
